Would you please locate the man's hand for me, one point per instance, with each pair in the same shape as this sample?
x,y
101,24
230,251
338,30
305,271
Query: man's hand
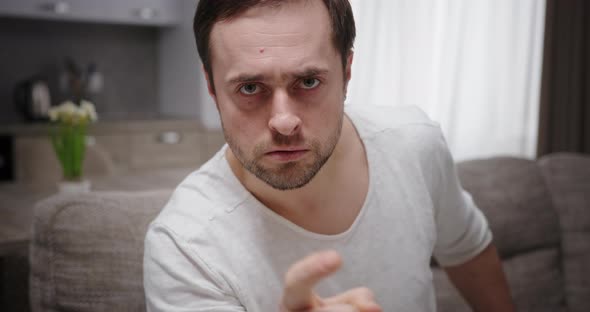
x,y
306,273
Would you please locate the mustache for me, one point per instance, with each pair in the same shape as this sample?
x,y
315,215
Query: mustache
x,y
286,140
278,140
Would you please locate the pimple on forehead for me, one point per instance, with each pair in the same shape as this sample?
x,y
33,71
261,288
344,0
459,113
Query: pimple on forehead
x,y
261,50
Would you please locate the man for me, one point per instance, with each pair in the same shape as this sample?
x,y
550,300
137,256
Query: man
x,y
311,206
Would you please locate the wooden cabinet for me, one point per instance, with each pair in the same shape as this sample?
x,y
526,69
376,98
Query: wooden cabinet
x,y
153,149
135,12
118,148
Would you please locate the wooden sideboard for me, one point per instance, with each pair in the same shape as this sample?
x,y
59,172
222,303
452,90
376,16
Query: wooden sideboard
x,y
115,147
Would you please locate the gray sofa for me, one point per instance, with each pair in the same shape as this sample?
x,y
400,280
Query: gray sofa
x,y
86,252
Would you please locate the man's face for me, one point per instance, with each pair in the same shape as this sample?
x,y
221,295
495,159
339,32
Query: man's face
x,y
279,89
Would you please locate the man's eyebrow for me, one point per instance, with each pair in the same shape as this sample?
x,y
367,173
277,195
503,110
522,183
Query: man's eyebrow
x,y
309,72
245,78
304,73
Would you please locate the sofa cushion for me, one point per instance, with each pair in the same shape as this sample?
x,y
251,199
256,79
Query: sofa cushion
x,y
513,195
87,250
568,177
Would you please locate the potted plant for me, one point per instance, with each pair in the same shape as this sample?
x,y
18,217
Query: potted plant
x,y
68,137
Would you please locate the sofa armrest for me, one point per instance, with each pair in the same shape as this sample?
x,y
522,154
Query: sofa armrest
x,y
86,250
568,178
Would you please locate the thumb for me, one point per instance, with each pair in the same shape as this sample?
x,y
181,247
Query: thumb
x,y
338,308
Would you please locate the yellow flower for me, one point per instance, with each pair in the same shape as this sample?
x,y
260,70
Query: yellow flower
x,y
53,113
70,113
89,110
68,108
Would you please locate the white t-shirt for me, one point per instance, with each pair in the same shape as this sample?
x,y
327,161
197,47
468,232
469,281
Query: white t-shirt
x,y
215,247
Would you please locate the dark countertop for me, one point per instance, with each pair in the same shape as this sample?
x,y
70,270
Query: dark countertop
x,y
108,125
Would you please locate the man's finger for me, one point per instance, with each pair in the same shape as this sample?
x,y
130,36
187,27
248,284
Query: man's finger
x,y
361,297
337,308
304,274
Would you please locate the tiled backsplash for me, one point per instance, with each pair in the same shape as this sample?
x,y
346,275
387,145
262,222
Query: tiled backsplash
x,y
125,55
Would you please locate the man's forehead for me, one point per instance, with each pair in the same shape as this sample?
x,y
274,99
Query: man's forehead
x,y
272,13
294,34
295,20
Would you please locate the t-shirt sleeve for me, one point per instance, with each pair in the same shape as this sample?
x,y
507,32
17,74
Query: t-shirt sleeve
x,y
462,229
177,279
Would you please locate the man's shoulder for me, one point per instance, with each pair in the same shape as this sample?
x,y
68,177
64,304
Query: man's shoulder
x,y
375,119
199,198
400,132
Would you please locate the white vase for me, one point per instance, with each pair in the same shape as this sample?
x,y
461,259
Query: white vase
x,y
74,187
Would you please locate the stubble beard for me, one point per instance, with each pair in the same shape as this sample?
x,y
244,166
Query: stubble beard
x,y
290,175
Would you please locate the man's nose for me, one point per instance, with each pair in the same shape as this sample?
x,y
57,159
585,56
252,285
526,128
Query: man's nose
x,y
284,118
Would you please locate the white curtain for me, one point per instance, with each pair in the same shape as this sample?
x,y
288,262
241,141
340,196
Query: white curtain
x,y
472,65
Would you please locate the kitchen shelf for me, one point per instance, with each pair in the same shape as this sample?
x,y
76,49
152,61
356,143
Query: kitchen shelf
x,y
159,13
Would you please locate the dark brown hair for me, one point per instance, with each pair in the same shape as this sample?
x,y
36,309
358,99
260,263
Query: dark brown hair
x,y
211,11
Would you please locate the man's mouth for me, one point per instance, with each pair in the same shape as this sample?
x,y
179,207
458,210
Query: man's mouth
x,y
287,154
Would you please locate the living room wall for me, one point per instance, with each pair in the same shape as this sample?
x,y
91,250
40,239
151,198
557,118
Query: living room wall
x,y
127,56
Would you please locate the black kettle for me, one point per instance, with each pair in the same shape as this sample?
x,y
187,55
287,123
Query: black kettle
x,y
32,98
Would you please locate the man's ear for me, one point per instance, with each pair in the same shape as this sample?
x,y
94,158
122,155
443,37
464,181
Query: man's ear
x,y
209,84
348,71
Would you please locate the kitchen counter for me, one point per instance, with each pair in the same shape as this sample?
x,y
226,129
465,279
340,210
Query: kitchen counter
x,y
114,145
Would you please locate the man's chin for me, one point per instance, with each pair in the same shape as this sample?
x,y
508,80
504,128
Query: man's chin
x,y
286,185
289,176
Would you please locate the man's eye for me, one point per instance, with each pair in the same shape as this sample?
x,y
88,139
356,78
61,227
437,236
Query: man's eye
x,y
250,89
309,83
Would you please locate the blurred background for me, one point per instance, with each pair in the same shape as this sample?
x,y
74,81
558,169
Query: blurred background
x,y
502,77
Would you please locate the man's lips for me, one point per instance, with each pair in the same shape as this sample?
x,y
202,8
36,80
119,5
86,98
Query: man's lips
x,y
287,154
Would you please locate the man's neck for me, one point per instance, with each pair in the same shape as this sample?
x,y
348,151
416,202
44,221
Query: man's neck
x,y
335,194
